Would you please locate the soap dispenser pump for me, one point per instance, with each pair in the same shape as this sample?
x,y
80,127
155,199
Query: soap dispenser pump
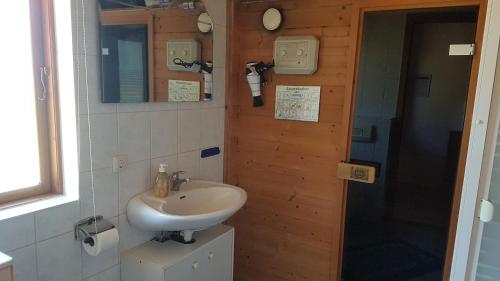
x,y
162,182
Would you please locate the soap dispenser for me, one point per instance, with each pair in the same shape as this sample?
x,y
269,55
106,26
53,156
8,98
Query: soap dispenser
x,y
162,182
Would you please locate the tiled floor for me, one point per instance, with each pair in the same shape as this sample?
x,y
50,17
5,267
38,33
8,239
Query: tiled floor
x,y
414,249
428,277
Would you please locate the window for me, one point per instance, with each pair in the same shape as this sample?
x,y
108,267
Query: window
x,y
30,161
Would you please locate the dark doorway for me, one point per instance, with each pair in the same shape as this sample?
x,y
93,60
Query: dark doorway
x,y
410,107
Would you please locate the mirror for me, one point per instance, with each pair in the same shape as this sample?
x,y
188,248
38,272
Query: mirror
x,y
124,63
155,54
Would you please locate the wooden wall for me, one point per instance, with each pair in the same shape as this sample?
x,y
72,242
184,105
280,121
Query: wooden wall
x,y
176,23
290,227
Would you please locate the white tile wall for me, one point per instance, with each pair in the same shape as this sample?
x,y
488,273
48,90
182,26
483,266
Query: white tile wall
x,y
134,135
189,130
56,220
112,274
211,167
190,163
105,193
24,263
17,232
104,135
164,137
42,244
133,180
90,18
59,259
212,127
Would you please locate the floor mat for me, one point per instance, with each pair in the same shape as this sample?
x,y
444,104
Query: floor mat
x,y
393,260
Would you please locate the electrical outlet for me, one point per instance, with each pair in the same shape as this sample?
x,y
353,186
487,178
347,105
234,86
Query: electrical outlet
x,y
120,162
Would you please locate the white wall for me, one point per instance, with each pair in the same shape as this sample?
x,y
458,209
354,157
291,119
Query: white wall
x,y
42,243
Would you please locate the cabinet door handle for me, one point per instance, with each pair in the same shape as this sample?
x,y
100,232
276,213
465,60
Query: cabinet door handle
x,y
195,265
210,256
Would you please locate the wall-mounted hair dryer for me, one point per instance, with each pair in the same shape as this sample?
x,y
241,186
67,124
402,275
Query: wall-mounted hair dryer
x,y
199,67
255,76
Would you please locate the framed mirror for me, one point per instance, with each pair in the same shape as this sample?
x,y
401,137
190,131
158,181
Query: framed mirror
x,y
137,54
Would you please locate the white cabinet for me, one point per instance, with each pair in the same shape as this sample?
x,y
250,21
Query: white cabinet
x,y
6,272
210,258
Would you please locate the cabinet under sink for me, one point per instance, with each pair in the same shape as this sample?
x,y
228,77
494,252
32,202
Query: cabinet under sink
x,y
210,258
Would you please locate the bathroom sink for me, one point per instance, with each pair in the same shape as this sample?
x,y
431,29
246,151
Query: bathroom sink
x,y
196,206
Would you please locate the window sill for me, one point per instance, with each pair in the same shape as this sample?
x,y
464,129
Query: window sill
x,y
35,205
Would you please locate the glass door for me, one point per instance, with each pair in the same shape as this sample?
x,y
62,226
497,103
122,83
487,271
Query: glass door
x,y
408,121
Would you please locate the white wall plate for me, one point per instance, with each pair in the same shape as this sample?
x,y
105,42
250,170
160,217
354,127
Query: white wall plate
x,y
296,55
188,50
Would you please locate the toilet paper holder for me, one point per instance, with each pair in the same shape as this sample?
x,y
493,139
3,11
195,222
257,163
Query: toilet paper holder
x,y
88,227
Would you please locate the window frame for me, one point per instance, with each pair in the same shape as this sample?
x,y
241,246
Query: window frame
x,y
44,55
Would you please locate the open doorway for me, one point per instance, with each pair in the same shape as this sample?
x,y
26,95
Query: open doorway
x,y
408,122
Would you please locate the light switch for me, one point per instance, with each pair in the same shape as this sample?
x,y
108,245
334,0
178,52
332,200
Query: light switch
x,y
296,55
188,50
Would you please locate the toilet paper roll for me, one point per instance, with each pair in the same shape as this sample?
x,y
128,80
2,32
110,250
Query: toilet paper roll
x,y
101,242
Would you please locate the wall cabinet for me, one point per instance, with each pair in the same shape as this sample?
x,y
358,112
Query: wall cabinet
x,y
210,258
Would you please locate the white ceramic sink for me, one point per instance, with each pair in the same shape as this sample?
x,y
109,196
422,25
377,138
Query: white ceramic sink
x,y
196,206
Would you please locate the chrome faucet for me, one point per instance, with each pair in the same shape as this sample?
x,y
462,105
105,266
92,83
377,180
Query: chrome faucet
x,y
176,181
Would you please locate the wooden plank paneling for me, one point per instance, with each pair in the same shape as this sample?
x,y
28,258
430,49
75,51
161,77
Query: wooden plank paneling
x,y
285,232
291,228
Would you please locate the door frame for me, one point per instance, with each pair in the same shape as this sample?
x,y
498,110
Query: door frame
x,y
492,83
474,133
